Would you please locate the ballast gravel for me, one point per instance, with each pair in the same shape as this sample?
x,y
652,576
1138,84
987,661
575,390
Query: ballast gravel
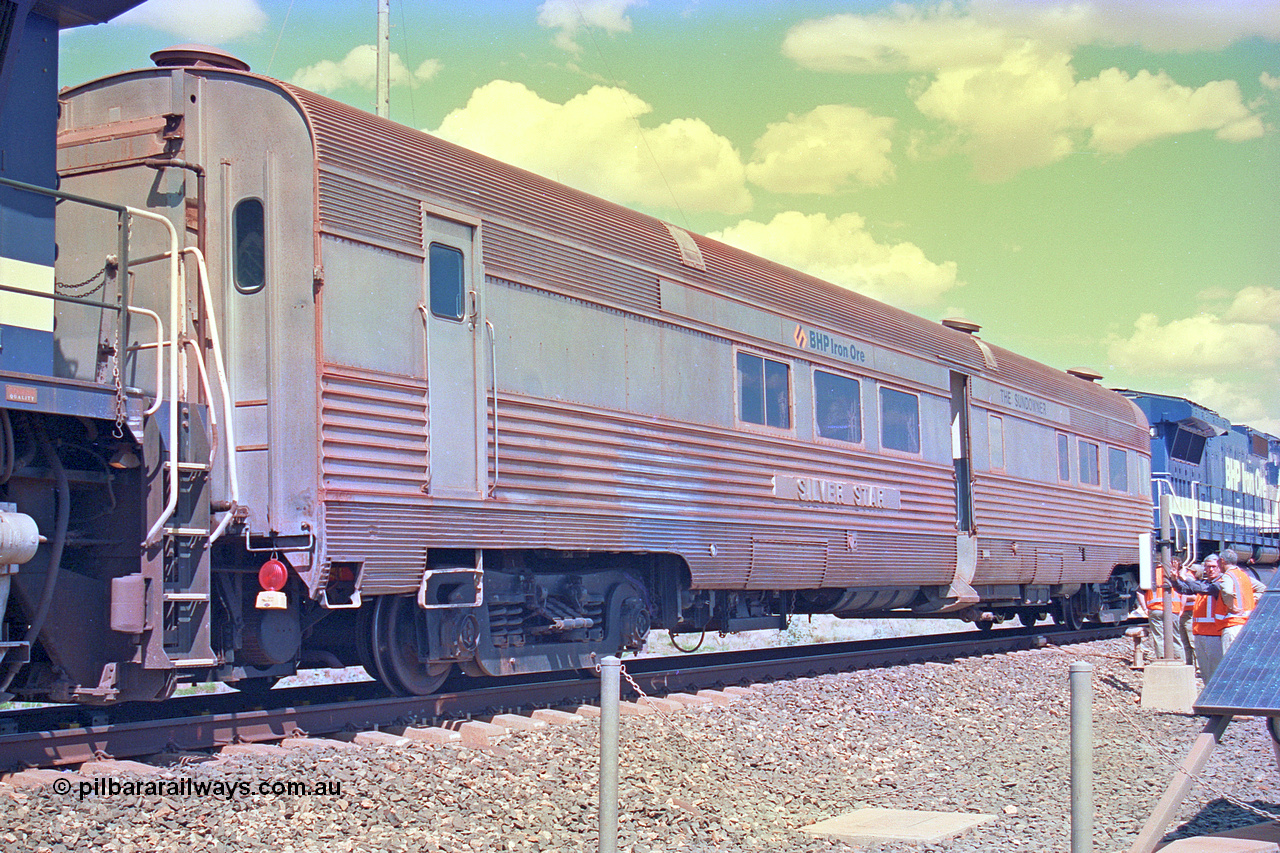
x,y
985,735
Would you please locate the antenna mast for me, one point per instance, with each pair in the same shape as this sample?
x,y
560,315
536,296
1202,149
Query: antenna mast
x,y
383,105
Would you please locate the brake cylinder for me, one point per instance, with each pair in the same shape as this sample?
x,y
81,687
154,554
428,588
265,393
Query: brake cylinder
x,y
19,537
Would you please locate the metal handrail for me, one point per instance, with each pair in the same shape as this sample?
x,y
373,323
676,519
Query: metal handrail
x,y
224,387
122,255
176,327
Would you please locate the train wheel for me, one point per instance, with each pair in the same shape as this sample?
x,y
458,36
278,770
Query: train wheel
x,y
1029,618
256,688
364,639
1066,614
395,649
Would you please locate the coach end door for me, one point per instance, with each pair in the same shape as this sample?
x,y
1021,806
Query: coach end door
x,y
451,311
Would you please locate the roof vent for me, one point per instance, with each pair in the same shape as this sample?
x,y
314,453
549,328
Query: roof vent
x,y
690,254
1086,373
197,55
960,324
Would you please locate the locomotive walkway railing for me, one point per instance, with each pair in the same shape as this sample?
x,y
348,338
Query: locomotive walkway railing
x,y
123,309
1217,514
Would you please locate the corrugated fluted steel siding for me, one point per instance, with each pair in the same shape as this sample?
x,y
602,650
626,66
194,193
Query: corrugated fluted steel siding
x,y
805,297
353,207
373,429
1094,410
1024,525
389,536
558,455
427,167
568,269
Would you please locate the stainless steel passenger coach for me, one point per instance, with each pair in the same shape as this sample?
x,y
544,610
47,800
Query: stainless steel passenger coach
x,y
395,403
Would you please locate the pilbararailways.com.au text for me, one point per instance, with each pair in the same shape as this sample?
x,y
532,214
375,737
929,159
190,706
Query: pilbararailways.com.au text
x,y
201,788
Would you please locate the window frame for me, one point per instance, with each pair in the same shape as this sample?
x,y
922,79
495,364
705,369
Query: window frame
x,y
738,396
995,422
880,402
1111,469
861,439
238,247
1081,444
1064,457
462,281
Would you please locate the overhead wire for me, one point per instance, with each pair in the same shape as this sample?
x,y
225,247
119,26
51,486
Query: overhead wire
x,y
608,72
274,50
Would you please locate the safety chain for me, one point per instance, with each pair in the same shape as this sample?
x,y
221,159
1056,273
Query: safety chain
x,y
120,401
675,726
77,289
1174,761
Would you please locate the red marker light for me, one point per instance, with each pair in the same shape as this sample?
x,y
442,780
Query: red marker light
x,y
273,575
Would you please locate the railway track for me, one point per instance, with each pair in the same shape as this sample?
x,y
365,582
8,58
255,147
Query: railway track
x,y
62,736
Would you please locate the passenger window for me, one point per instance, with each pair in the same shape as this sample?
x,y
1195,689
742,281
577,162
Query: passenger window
x,y
996,435
446,281
1089,463
1064,458
837,407
899,420
1118,468
764,391
249,225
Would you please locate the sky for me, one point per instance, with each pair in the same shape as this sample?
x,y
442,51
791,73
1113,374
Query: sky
x,y
1097,183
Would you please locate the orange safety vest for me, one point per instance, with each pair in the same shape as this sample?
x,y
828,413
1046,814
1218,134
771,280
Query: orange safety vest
x,y
1244,598
1155,597
1210,616
1203,622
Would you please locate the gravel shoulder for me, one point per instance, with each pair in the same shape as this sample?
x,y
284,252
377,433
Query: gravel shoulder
x,y
987,735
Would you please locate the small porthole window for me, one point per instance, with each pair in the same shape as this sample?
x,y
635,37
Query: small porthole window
x,y
445,281
249,226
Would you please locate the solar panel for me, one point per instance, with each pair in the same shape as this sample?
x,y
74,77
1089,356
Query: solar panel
x,y
1247,682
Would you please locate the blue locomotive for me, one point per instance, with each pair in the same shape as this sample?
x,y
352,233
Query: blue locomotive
x,y
1221,477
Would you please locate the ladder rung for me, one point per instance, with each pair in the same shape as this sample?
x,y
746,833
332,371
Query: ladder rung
x,y
194,662
193,466
186,531
193,597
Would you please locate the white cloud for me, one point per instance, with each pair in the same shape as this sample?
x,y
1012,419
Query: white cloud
x,y
193,19
1003,80
903,38
1194,346
1158,25
570,17
1030,110
359,69
1272,83
1123,112
595,143
1236,402
1256,305
951,35
843,252
822,151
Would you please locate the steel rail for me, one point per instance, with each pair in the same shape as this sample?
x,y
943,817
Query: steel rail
x,y
210,722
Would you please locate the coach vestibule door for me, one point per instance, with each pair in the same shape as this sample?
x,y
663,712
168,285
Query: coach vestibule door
x,y
451,310
960,452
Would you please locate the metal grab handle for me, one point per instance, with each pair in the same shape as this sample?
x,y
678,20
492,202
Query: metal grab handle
x,y
493,364
159,345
